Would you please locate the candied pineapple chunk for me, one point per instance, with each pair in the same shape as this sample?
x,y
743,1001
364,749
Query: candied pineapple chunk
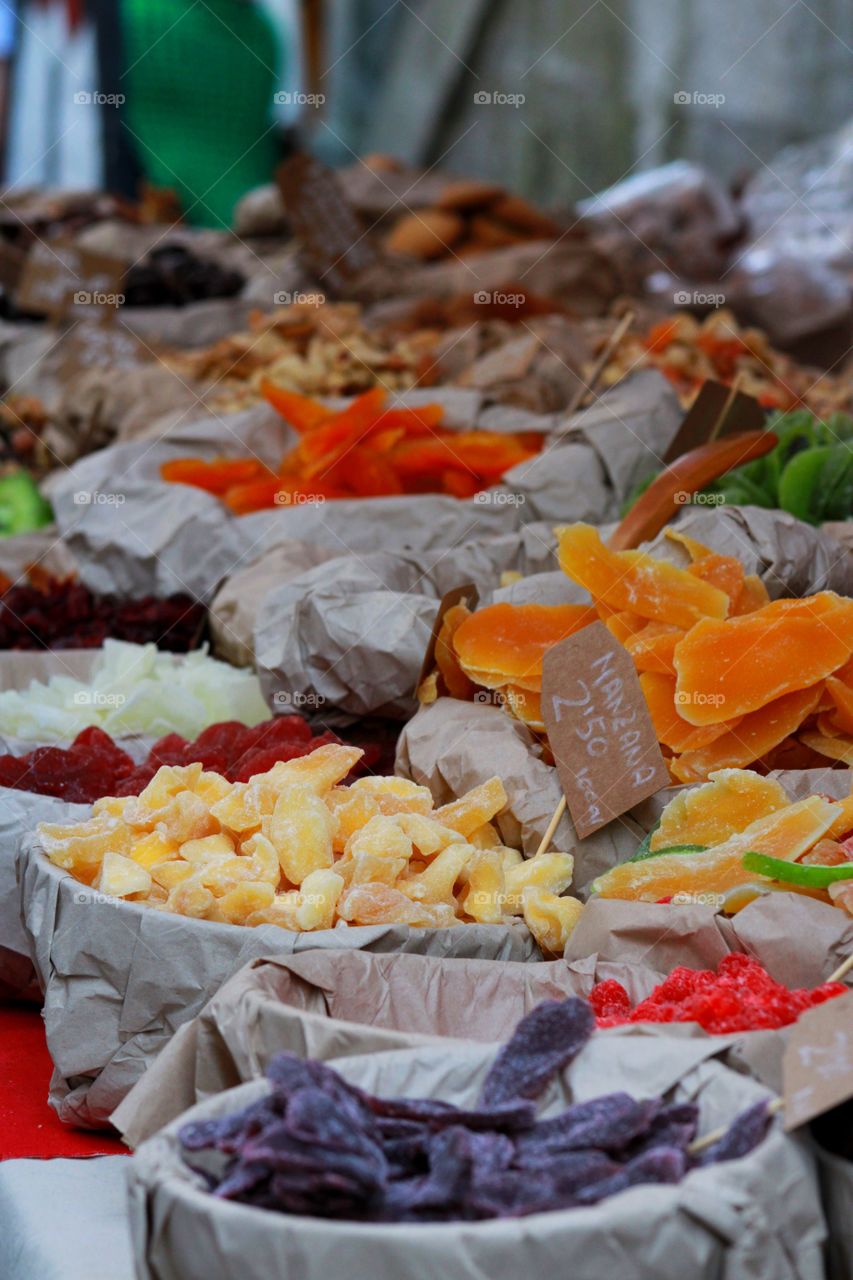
x,y
435,884
80,849
208,849
350,811
239,903
550,918
474,809
395,795
551,871
153,848
121,876
484,901
382,836
319,771
300,848
428,836
301,830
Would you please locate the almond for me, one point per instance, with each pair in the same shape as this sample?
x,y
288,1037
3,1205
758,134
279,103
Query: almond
x,y
427,234
519,213
469,193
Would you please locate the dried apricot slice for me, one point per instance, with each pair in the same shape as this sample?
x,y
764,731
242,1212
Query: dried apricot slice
x,y
635,581
753,595
652,648
457,683
755,735
726,804
842,699
730,668
513,639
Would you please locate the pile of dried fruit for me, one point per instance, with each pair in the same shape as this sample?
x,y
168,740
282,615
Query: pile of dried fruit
x,y
740,996
316,1145
687,351
315,349
500,648
295,848
134,689
736,838
367,450
61,613
730,678
469,216
94,765
171,275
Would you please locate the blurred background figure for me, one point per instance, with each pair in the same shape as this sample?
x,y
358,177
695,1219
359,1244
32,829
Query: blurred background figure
x,y
201,83
54,131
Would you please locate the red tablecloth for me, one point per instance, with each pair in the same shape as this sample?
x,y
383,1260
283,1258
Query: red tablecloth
x,y
28,1126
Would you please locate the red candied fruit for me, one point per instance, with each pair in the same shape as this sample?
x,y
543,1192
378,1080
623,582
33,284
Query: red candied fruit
x,y
94,765
740,996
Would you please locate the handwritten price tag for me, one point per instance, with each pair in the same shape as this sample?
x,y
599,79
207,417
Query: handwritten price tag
x,y
602,737
817,1068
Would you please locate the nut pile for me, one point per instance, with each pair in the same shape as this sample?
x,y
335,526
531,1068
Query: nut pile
x,y
292,847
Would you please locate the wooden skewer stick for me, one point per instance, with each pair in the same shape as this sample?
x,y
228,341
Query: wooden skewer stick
x,y
842,970
601,363
724,412
708,1139
552,826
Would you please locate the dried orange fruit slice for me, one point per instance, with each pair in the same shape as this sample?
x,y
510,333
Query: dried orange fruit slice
x,y
726,804
513,639
635,581
784,834
733,667
752,737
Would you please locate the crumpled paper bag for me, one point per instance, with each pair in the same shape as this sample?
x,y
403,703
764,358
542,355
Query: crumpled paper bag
x,y
791,558
350,634
757,1218
119,978
234,609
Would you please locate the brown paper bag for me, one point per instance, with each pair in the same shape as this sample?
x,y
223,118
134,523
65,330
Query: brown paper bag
x,y
757,1218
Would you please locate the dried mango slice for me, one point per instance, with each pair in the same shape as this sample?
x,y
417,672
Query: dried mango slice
x,y
842,699
730,668
723,572
787,834
754,736
653,648
622,625
477,806
726,804
525,705
838,748
753,595
635,581
670,726
512,639
456,682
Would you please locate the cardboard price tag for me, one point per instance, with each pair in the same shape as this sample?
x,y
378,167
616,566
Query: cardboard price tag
x,y
717,411
817,1069
466,594
604,744
57,277
332,236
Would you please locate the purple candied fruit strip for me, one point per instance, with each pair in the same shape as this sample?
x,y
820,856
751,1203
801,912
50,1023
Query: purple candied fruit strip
x,y
544,1042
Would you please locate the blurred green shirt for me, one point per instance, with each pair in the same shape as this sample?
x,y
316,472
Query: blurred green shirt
x,y
200,84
